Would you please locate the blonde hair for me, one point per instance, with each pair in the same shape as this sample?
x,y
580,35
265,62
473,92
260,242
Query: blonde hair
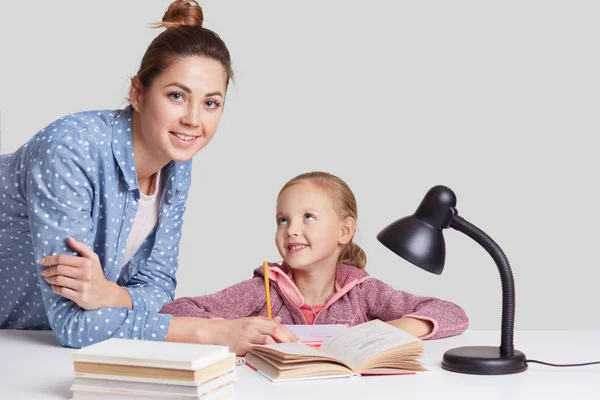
x,y
344,204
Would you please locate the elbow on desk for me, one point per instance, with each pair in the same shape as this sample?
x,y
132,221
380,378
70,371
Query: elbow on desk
x,y
70,329
63,331
457,322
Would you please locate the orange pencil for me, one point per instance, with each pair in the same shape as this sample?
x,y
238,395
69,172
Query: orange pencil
x,y
267,286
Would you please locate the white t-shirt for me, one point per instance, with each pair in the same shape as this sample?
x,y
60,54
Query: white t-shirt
x,y
145,219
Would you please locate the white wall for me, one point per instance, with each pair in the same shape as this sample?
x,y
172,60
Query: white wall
x,y
498,100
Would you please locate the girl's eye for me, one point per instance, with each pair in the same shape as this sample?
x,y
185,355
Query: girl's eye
x,y
309,217
177,96
281,221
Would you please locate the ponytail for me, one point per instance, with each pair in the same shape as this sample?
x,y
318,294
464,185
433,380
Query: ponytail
x,y
353,255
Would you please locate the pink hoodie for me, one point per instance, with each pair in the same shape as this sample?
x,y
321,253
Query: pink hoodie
x,y
358,298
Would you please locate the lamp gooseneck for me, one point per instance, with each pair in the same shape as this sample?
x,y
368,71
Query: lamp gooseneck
x,y
506,276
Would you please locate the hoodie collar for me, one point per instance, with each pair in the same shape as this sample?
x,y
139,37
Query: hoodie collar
x,y
346,277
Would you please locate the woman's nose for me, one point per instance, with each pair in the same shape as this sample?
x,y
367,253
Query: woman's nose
x,y
191,117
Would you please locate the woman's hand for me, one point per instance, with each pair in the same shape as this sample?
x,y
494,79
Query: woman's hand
x,y
243,333
238,334
81,279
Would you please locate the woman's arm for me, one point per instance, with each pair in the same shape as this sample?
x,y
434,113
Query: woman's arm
x,y
238,334
241,300
81,279
60,193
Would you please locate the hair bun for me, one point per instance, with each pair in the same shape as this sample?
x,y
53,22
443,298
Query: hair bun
x,y
182,12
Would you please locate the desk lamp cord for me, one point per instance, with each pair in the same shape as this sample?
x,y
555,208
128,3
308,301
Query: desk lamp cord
x,y
561,365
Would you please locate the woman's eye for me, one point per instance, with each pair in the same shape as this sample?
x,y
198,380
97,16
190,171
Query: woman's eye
x,y
176,96
212,104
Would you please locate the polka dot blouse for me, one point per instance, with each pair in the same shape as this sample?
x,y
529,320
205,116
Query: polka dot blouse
x,y
77,178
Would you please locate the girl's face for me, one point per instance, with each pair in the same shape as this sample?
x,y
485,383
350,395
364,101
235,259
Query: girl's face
x,y
310,233
180,111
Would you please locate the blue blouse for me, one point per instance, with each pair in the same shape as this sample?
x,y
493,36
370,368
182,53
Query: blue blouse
x,y
77,178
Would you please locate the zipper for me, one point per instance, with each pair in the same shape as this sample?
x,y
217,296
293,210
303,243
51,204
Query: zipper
x,y
293,305
338,295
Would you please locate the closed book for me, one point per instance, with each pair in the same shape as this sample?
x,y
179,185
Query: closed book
x,y
223,392
84,382
154,360
147,353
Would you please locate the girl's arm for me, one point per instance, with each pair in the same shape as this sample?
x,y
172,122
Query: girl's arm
x,y
417,327
426,317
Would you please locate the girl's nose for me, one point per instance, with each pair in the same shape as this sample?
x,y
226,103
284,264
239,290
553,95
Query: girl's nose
x,y
292,230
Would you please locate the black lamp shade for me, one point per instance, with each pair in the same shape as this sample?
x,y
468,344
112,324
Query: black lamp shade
x,y
418,238
417,242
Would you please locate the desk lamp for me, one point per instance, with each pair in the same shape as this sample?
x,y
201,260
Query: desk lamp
x,y
418,239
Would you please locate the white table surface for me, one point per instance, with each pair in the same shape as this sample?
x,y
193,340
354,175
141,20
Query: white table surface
x,y
34,366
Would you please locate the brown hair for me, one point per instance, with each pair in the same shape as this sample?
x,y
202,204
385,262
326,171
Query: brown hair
x,y
344,203
183,37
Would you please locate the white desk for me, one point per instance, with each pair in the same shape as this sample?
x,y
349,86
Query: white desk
x,y
34,366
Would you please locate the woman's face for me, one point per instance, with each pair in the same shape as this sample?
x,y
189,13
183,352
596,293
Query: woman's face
x,y
179,113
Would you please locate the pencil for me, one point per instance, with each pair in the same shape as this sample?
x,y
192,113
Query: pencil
x,y
267,292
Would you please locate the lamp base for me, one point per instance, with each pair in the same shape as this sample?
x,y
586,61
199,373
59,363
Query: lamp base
x,y
483,360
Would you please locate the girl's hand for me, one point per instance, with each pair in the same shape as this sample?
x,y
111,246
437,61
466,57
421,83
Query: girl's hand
x,y
81,279
414,326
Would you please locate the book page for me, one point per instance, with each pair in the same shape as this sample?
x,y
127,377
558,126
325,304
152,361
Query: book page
x,y
354,346
313,335
277,372
293,350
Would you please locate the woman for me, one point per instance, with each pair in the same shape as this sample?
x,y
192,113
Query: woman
x,y
92,205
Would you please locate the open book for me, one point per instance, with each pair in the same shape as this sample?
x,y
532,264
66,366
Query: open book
x,y
372,348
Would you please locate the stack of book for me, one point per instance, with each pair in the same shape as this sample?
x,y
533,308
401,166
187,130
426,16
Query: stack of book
x,y
139,369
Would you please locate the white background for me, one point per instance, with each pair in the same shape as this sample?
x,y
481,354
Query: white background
x,y
497,100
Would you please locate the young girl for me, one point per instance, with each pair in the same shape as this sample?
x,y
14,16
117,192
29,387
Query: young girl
x,y
322,279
